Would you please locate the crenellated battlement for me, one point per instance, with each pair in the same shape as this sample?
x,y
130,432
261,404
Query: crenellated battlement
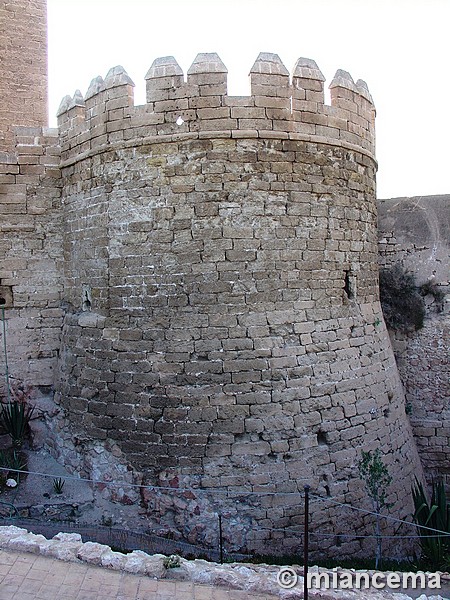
x,y
206,310
279,107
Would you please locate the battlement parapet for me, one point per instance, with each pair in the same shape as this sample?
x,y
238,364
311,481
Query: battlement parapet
x,y
279,107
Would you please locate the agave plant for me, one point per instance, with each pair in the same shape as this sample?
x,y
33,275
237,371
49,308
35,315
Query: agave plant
x,y
15,418
434,515
58,485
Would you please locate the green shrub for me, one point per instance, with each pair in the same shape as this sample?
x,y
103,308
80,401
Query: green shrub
x,y
172,562
376,476
403,305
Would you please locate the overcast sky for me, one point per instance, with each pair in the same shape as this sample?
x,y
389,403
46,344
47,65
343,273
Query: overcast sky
x,y
399,47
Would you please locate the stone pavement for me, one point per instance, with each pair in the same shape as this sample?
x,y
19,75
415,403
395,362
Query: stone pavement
x,y
27,576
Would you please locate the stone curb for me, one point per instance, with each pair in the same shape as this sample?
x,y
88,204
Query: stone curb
x,y
260,578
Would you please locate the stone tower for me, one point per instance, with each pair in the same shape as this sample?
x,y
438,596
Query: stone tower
x,y
23,66
223,325
198,279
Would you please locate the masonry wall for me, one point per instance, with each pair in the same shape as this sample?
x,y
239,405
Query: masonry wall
x,y
223,323
31,251
23,81
415,232
30,217
202,271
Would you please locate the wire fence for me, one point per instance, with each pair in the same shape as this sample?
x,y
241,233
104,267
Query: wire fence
x,y
123,540
232,535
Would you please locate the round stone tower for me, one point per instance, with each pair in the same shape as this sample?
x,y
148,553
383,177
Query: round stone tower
x,y
223,322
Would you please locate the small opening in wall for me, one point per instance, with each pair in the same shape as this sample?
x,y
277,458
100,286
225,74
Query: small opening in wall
x,y
348,285
180,121
86,298
322,438
6,296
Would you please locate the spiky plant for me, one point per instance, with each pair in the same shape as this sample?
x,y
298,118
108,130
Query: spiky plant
x,y
433,515
15,419
58,485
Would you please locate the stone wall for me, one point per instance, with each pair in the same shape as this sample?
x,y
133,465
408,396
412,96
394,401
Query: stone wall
x,y
198,278
23,81
223,324
30,217
416,233
30,246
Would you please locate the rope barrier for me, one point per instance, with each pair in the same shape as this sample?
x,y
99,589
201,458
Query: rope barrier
x,y
384,537
158,487
231,493
292,528
386,517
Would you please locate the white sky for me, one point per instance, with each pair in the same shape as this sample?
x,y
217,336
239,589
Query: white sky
x,y
401,48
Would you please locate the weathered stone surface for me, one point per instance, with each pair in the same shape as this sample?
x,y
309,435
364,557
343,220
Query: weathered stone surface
x,y
154,566
415,232
197,277
92,552
113,560
10,532
140,562
23,83
67,552
26,542
63,546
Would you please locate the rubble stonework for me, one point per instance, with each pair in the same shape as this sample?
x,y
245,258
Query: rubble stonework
x,y
197,277
415,232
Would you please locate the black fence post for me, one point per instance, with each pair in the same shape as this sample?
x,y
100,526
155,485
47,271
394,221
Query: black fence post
x,y
306,545
220,539
5,350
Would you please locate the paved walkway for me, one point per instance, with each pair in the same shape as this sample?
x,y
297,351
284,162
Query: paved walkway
x,y
33,577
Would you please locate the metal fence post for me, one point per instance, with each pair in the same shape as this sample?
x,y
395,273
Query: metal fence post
x,y
5,349
220,539
306,545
